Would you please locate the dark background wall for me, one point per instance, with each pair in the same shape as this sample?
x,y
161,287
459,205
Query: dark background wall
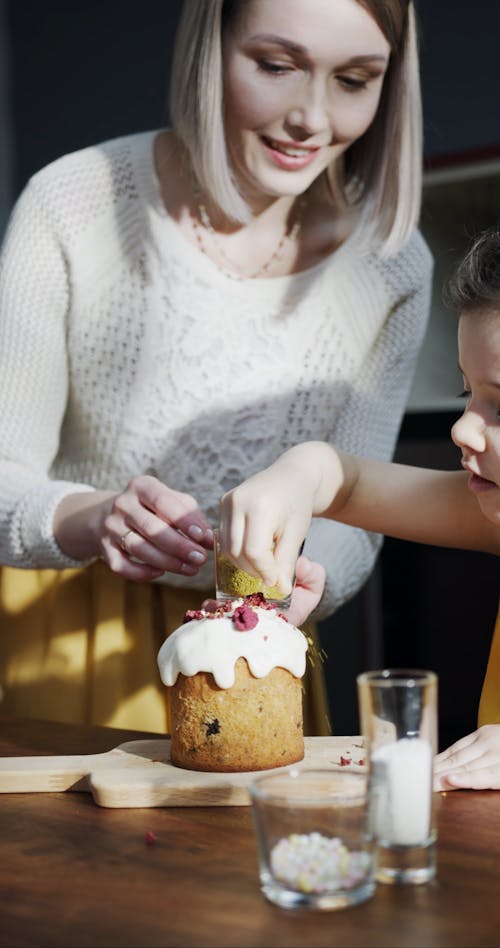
x,y
83,71
80,72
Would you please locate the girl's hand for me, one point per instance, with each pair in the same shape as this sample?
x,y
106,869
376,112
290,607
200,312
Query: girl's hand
x,y
144,531
308,590
472,763
264,521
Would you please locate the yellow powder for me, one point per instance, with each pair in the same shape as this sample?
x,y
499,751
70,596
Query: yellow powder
x,y
235,582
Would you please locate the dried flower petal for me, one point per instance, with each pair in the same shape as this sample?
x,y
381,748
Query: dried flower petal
x,y
245,618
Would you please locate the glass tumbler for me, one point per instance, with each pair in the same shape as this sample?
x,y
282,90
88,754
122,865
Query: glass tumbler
x,y
314,843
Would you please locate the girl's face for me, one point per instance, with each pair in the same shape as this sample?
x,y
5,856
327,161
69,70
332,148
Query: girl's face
x,y
302,81
477,432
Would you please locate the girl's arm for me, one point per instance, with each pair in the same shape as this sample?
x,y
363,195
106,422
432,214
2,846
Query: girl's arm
x,y
264,520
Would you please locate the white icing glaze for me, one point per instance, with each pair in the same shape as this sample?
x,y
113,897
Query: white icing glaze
x,y
214,645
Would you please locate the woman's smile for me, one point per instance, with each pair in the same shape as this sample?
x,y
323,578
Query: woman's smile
x,y
289,155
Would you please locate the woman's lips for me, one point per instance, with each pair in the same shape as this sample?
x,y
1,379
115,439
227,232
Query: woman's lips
x,y
479,485
289,155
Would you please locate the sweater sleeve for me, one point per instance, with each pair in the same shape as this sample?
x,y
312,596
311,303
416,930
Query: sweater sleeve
x,y
34,301
369,422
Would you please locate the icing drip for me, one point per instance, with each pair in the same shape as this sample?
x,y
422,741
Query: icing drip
x,y
213,644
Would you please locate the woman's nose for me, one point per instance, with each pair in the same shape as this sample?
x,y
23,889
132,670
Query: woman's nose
x,y
468,432
309,113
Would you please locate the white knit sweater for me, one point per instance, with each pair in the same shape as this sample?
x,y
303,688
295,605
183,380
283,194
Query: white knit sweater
x,y
123,349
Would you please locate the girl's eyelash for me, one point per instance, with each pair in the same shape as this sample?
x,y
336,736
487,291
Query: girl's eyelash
x,y
464,394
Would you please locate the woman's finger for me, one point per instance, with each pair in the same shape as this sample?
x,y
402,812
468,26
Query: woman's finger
x,y
177,508
134,527
120,563
155,543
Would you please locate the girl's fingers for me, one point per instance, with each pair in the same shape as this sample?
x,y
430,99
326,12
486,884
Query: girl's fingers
x,y
247,538
310,582
482,778
472,762
450,755
483,742
286,554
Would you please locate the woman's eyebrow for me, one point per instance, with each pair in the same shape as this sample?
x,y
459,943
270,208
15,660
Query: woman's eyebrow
x,y
279,41
366,58
300,50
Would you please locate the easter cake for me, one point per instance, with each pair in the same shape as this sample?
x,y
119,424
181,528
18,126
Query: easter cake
x,y
235,691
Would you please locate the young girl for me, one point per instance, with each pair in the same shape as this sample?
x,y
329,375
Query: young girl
x,y
265,519
178,308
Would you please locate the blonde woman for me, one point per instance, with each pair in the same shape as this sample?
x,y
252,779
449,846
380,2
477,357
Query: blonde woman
x,y
178,308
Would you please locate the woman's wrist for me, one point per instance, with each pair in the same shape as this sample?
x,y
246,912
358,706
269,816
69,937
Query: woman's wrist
x,y
78,522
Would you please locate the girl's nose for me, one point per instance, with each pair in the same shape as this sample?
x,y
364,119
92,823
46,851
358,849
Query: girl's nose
x,y
468,432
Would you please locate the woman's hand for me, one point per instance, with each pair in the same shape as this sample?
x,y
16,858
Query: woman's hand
x,y
472,763
144,531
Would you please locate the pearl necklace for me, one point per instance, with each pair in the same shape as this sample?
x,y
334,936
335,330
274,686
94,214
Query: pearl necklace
x,y
203,223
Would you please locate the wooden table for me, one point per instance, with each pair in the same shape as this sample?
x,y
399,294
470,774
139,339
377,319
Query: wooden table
x,y
75,874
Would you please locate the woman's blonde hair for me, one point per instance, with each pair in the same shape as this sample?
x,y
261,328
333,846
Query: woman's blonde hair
x,y
382,170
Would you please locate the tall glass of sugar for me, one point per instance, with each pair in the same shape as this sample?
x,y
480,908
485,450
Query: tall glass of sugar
x,y
398,719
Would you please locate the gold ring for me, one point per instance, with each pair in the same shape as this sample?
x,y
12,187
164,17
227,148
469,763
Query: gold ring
x,y
123,541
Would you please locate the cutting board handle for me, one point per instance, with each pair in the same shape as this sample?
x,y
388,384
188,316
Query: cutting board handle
x,y
72,772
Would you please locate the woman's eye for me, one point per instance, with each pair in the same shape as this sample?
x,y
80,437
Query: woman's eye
x,y
464,394
352,84
276,69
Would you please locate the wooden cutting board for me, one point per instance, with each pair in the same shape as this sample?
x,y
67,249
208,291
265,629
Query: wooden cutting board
x,y
140,774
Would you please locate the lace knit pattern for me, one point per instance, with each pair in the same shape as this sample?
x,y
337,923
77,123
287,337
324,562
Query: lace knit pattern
x,y
123,349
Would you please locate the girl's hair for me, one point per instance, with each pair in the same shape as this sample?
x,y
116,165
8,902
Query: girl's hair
x,y
382,170
476,282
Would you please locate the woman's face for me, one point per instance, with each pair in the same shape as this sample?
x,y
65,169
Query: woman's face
x,y
302,81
